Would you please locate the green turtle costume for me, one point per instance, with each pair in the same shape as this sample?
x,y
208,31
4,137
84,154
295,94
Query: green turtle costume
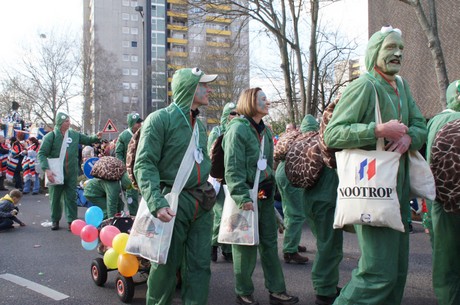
x,y
241,146
121,149
320,202
50,148
382,270
445,229
293,199
106,194
218,207
165,136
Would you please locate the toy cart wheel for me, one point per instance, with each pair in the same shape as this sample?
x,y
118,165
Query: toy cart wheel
x,y
125,288
99,271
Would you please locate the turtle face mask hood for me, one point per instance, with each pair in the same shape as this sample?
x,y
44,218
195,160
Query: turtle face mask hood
x,y
184,85
229,107
453,96
133,118
60,118
309,123
374,44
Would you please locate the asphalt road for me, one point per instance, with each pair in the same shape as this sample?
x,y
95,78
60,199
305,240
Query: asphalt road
x,y
40,266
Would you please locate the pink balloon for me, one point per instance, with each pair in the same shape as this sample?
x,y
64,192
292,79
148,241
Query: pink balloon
x,y
76,226
107,234
89,233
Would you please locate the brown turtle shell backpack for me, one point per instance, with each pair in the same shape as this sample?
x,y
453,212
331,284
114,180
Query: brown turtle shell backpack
x,y
284,143
327,153
304,161
445,165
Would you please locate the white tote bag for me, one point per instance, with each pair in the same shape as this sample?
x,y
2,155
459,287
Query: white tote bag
x,y
56,165
367,186
238,226
150,237
422,183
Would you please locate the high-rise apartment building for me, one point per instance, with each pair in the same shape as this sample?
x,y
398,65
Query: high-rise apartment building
x,y
182,34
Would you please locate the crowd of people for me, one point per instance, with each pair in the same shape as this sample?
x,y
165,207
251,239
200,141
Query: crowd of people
x,y
248,147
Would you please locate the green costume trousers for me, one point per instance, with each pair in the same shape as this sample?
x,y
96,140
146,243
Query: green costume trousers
x,y
64,195
244,257
102,203
134,205
382,269
329,242
217,210
446,254
293,199
189,253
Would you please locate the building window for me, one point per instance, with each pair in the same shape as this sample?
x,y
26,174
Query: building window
x,y
134,58
134,31
134,72
125,71
125,16
126,86
125,99
134,86
134,3
135,17
134,100
125,44
125,2
125,57
125,30
134,44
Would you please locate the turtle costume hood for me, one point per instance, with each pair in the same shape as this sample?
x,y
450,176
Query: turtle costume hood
x,y
133,118
229,107
184,84
60,118
453,96
309,123
374,44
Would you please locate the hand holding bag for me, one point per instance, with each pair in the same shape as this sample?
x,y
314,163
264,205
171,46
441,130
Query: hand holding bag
x,y
238,226
367,186
150,238
56,165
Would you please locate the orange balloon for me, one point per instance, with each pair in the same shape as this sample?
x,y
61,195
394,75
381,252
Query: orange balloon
x,y
128,265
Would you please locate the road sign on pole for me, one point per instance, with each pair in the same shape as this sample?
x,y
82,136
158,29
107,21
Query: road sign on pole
x,y
110,127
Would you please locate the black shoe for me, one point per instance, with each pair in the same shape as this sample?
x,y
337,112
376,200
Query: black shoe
x,y
246,300
324,300
301,249
282,299
228,256
25,193
55,225
411,229
295,258
69,226
214,253
34,193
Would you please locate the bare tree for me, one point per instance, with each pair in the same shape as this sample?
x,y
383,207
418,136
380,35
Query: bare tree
x,y
427,17
47,77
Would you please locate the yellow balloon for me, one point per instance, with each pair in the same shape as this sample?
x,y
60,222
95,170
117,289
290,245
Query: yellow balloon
x,y
119,242
111,258
128,265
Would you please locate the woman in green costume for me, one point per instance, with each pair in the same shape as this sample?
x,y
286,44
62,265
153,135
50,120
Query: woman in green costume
x,y
242,144
382,270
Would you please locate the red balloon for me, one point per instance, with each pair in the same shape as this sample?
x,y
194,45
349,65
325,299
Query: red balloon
x,y
76,226
89,233
107,235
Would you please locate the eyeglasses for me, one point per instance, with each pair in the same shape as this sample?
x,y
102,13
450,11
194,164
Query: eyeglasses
x,y
234,113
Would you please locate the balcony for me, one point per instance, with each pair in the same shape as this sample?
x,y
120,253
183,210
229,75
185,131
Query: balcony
x,y
177,14
218,7
218,19
177,54
180,2
218,32
218,44
175,27
177,40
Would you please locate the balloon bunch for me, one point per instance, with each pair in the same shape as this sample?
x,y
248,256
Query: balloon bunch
x,y
110,236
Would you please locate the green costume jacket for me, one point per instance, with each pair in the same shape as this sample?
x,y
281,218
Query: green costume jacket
x,y
241,159
165,136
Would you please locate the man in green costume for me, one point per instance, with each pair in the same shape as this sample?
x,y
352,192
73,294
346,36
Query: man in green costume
x,y
51,148
293,199
320,202
106,194
121,148
165,136
381,274
228,113
445,236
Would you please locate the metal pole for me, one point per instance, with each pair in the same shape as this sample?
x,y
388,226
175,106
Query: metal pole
x,y
148,56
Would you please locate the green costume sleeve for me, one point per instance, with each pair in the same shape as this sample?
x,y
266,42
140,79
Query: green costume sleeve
x,y
213,135
347,129
112,190
45,150
88,140
146,168
121,147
